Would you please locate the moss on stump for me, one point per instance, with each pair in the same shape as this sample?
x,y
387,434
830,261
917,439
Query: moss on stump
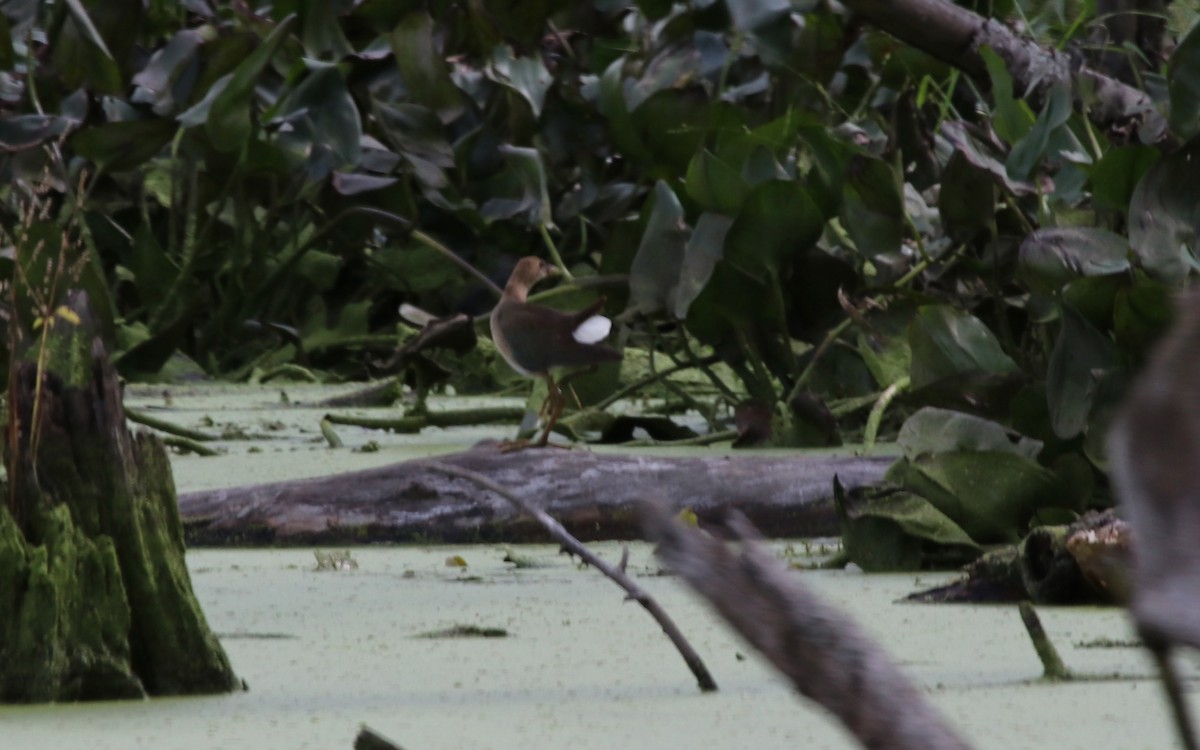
x,y
95,598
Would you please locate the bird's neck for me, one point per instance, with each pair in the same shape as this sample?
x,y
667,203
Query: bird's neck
x,y
516,290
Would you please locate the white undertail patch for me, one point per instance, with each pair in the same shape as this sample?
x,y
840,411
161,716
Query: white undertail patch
x,y
592,330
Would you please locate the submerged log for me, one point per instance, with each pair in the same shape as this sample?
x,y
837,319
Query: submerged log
x,y
95,599
592,495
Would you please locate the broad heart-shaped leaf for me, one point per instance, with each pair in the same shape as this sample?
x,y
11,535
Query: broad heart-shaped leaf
x,y
981,156
520,188
26,131
873,206
946,342
1052,257
525,75
1116,175
157,82
321,31
990,494
1029,150
885,529
1183,84
424,67
889,358
932,431
324,115
613,106
750,15
228,124
967,199
654,275
317,333
704,248
1141,313
778,220
1081,357
732,303
420,141
714,184
1093,297
1013,118
117,146
153,272
89,45
1164,215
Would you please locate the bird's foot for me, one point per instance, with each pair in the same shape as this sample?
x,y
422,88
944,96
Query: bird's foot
x,y
512,446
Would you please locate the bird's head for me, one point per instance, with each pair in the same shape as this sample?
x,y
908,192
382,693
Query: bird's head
x,y
529,271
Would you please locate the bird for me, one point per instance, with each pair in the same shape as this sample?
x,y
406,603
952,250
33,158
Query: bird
x,y
535,339
1154,463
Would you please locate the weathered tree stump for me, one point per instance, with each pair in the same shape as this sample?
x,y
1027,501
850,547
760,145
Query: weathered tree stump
x,y
95,599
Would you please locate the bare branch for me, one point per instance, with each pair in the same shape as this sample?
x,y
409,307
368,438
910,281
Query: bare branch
x,y
824,653
560,534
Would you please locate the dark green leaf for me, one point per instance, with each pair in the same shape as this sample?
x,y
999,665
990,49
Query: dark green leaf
x,y
118,146
873,206
654,276
715,185
525,75
991,495
946,342
888,530
704,248
229,124
778,222
931,431
322,113
521,189
1013,118
156,81
1183,84
889,358
1051,257
1141,312
26,131
1164,214
1117,174
1081,357
424,67
8,57
967,199
613,106
1029,150
321,30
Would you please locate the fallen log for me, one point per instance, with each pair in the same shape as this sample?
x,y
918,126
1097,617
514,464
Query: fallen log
x,y
592,495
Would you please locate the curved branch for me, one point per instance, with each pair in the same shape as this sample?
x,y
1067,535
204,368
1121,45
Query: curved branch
x,y
617,575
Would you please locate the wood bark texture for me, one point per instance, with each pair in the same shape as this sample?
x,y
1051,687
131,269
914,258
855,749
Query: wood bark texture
x,y
592,495
95,598
822,651
956,35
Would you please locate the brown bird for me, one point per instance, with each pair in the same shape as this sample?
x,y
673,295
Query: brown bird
x,y
1154,462
534,339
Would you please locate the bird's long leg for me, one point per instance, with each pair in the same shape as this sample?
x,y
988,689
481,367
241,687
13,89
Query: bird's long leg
x,y
555,403
1175,692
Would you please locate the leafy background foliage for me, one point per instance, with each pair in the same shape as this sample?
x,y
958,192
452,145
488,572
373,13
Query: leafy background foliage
x,y
856,230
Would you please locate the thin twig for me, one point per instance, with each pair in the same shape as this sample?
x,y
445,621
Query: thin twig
x,y
162,425
573,545
1052,664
